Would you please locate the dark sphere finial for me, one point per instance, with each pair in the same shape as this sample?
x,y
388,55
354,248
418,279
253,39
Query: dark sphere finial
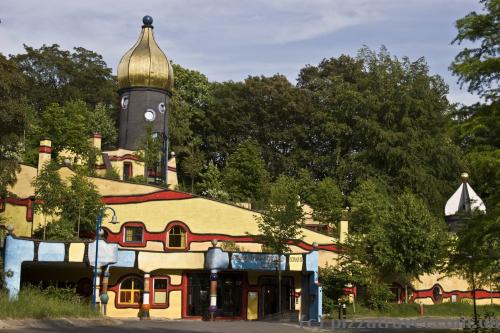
x,y
147,20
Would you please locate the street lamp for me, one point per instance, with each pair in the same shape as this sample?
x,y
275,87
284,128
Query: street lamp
x,y
278,268
98,230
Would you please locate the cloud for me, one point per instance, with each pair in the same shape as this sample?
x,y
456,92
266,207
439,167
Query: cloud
x,y
228,39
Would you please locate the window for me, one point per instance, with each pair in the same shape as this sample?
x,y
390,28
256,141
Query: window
x,y
130,291
127,171
177,237
133,235
160,290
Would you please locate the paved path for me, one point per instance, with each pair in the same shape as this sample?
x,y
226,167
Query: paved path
x,y
153,326
186,326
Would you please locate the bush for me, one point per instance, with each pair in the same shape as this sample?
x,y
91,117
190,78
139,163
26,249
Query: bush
x,y
51,302
378,296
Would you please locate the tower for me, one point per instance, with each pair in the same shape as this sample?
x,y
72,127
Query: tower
x,y
145,81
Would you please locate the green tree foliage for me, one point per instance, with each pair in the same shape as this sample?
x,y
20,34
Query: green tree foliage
x,y
68,208
192,164
269,110
14,115
476,250
187,115
60,76
211,184
81,205
283,217
370,204
400,244
49,195
99,120
70,126
378,116
477,131
479,65
245,174
150,150
327,202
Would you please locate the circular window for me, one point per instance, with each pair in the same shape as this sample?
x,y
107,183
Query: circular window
x,y
162,107
149,115
124,102
437,293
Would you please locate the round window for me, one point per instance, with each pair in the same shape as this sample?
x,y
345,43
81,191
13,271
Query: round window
x,y
149,115
124,102
161,107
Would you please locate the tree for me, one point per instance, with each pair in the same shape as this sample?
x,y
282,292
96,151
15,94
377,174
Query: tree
x,y
99,120
60,76
192,164
476,130
150,150
211,184
271,111
370,204
402,243
72,206
187,116
378,116
49,195
476,250
479,66
245,175
282,218
14,116
82,205
327,202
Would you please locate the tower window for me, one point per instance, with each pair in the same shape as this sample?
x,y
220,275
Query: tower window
x,y
177,237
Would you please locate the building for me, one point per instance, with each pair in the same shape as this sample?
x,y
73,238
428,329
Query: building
x,y
174,254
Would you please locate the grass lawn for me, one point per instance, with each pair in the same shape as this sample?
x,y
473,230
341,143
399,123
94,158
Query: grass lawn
x,y
412,310
37,303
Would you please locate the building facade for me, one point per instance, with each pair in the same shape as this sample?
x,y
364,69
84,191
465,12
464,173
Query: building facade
x,y
174,254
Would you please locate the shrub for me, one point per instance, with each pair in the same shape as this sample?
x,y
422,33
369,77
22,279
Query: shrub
x,y
40,303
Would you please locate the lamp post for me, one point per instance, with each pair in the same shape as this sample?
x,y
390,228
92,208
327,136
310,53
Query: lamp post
x,y
98,229
278,268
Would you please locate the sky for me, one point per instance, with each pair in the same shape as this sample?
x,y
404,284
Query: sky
x,y
232,39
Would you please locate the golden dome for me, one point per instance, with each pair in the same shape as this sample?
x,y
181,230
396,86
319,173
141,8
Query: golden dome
x,y
145,64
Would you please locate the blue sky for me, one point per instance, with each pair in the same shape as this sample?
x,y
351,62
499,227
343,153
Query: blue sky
x,y
231,39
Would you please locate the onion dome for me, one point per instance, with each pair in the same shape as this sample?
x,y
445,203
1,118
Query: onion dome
x,y
145,64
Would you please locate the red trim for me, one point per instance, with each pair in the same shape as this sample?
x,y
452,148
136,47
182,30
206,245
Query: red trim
x,y
172,169
96,135
45,149
480,293
27,202
161,236
124,157
161,195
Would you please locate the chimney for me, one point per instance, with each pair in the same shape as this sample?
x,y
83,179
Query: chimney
x,y
343,230
172,172
95,141
44,151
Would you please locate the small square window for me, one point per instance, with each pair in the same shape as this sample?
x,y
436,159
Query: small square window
x,y
160,291
133,235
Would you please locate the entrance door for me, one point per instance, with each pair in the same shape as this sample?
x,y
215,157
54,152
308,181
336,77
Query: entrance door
x,y
198,294
229,294
270,297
